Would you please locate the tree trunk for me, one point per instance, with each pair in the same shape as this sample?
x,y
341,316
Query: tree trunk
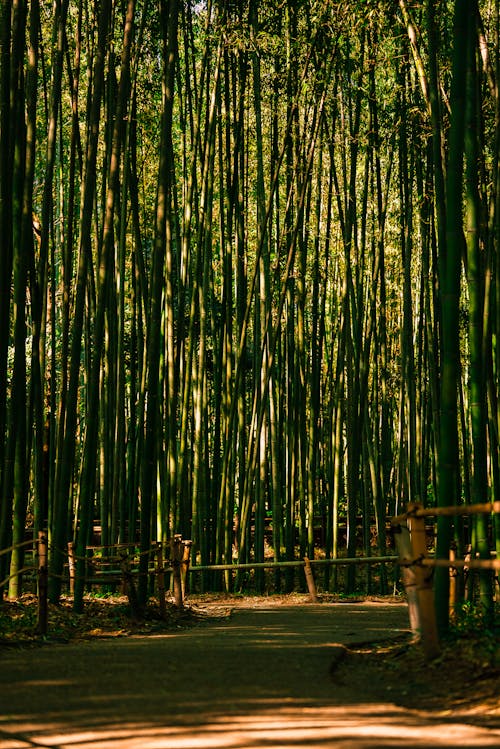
x,y
163,234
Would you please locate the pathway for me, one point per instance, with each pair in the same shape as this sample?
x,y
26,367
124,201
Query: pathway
x,y
258,679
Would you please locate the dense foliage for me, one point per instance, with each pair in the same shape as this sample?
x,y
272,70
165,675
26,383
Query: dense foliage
x,y
249,262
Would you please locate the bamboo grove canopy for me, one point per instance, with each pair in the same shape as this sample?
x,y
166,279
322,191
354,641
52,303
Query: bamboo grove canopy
x,y
249,280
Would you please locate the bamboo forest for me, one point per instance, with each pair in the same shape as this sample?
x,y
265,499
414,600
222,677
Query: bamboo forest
x,y
250,284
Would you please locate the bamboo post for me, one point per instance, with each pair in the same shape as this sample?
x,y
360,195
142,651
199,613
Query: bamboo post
x,y
89,569
128,585
453,582
42,583
186,557
423,580
176,555
71,567
311,585
405,551
160,576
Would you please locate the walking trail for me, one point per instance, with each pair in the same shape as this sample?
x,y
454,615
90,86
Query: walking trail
x,y
262,677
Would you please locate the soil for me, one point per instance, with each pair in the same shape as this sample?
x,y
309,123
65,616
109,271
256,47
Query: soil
x,y
242,672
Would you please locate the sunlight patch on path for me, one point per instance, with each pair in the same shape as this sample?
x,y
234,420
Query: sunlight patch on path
x,y
354,727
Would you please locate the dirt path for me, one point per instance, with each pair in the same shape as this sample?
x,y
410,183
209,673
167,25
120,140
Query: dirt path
x,y
259,678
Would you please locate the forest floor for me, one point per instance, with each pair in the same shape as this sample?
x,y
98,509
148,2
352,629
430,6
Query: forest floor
x,y
238,672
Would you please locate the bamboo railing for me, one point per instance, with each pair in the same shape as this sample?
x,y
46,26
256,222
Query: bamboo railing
x,y
413,558
410,536
178,566
116,565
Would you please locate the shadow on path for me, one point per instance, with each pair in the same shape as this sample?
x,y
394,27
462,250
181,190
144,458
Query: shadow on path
x,y
259,679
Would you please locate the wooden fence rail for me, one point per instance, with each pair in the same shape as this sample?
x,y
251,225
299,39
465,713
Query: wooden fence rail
x,y
178,566
40,548
305,563
116,567
416,509
9,549
337,561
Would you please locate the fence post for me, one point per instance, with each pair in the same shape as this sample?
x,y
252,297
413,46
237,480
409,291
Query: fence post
x,y
453,583
71,567
176,555
160,575
128,585
311,585
42,583
405,552
423,580
186,556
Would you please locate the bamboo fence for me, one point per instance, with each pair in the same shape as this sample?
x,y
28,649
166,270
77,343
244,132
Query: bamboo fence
x,y
409,533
